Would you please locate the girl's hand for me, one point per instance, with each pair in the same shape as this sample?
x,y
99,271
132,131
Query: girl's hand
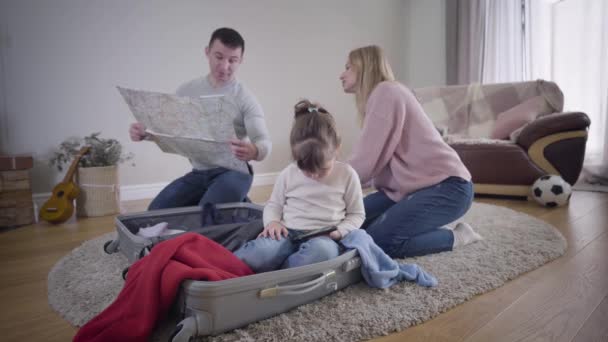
x,y
335,235
274,230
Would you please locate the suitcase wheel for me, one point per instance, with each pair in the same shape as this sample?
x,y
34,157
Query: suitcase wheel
x,y
111,246
124,273
184,331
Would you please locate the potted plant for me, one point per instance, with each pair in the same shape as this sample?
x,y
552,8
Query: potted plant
x,y
97,173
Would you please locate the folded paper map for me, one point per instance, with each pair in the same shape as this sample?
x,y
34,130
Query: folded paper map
x,y
199,129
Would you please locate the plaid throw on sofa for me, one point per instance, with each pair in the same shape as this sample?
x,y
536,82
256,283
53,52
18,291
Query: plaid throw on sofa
x,y
471,110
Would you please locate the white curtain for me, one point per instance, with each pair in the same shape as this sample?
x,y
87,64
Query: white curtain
x,y
465,29
503,46
539,38
569,45
485,41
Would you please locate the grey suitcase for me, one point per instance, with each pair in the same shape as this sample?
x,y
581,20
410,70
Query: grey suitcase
x,y
229,217
211,308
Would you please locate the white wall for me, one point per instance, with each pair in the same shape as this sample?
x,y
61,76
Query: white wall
x,y
61,60
424,43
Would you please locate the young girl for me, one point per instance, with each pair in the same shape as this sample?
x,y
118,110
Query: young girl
x,y
313,192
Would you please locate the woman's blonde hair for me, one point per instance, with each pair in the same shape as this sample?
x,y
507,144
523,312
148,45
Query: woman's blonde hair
x,y
371,67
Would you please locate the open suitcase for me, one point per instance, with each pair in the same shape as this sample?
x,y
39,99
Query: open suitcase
x,y
210,308
229,224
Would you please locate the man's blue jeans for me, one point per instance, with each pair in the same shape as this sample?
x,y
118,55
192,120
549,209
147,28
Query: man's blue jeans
x,y
218,185
414,225
266,254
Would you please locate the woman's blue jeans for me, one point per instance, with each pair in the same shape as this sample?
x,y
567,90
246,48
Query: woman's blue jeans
x,y
414,225
218,185
267,254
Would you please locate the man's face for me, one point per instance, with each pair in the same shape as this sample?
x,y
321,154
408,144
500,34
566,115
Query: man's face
x,y
224,61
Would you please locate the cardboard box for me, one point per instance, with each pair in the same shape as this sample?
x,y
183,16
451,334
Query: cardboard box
x,y
14,180
11,217
16,199
16,208
18,162
16,203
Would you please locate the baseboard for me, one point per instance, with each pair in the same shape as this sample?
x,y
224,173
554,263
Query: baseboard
x,y
501,189
142,191
265,179
582,185
146,191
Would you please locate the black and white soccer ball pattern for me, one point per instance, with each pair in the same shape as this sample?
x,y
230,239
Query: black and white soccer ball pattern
x,y
551,191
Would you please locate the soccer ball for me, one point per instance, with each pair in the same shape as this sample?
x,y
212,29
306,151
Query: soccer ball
x,y
551,191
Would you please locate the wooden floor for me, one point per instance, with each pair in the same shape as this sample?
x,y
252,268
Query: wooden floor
x,y
565,300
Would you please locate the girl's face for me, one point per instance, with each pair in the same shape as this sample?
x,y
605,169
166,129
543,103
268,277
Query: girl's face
x,y
323,172
349,79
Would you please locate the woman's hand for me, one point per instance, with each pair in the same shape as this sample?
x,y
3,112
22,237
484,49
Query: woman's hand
x,y
335,235
274,230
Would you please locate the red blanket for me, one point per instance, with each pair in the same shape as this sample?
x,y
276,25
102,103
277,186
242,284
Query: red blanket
x,y
152,285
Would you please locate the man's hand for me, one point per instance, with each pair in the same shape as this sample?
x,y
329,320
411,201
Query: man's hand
x,y
243,150
137,131
274,230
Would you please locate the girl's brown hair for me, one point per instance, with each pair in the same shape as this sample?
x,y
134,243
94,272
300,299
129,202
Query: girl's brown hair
x,y
314,139
371,67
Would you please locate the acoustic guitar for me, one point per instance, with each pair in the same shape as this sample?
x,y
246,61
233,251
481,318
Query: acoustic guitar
x,y
60,206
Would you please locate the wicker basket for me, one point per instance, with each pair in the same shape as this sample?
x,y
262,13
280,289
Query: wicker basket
x,y
99,191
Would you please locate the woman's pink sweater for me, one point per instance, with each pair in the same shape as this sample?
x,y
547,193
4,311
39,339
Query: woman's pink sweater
x,y
399,149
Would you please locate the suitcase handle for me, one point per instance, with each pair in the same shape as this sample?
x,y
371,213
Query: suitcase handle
x,y
298,289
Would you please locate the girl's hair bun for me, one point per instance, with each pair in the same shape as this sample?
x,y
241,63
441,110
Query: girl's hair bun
x,y
304,107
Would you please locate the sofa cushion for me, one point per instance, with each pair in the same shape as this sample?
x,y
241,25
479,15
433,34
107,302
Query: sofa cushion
x,y
516,117
498,163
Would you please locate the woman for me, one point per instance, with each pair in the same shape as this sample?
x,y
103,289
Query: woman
x,y
422,183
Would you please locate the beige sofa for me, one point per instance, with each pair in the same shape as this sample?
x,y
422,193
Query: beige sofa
x,y
509,134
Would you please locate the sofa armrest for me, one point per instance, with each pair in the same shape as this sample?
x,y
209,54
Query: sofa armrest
x,y
551,124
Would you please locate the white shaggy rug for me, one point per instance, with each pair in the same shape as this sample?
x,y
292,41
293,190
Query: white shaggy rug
x,y
87,280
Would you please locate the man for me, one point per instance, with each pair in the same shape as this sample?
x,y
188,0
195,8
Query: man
x,y
210,183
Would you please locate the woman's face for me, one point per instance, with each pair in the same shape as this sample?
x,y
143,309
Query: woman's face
x,y
349,79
